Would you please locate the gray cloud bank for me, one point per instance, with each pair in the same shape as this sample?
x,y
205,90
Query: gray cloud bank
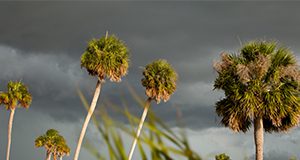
x,y
41,44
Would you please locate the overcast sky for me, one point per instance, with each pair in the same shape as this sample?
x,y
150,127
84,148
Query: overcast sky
x,y
41,44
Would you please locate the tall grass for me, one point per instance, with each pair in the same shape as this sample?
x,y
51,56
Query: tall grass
x,y
157,142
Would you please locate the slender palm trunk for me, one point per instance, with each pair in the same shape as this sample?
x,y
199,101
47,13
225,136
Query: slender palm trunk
x,y
48,155
10,123
147,106
259,138
54,157
88,117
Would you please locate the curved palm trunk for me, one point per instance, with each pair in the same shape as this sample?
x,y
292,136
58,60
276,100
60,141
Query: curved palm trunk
x,y
259,138
88,117
10,123
147,105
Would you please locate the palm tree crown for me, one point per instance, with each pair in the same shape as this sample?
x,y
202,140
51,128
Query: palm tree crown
x,y
47,140
17,94
106,57
54,143
261,82
159,80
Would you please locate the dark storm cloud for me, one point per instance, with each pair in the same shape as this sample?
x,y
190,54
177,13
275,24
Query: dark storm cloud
x,y
49,37
41,44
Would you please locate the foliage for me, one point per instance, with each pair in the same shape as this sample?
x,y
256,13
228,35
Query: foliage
x,y
293,158
54,143
159,80
17,94
106,57
261,81
162,142
222,156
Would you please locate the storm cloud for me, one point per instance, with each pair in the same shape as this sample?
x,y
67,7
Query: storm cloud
x,y
41,44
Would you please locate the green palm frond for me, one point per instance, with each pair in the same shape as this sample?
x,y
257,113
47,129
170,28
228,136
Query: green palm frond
x,y
251,50
106,57
159,80
39,141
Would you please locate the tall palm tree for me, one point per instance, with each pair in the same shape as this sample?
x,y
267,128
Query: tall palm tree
x,y
16,96
106,57
160,82
261,86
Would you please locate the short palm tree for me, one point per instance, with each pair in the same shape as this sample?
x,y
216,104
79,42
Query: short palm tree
x,y
54,144
16,96
107,57
261,86
47,140
160,83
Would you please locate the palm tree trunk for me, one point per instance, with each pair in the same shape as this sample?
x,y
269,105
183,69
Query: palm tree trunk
x,y
54,157
10,123
48,155
259,138
147,106
88,117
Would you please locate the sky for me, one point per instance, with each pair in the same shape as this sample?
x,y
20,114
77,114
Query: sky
x,y
41,44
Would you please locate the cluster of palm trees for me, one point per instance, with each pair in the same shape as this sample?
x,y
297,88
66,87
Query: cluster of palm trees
x,y
54,144
261,84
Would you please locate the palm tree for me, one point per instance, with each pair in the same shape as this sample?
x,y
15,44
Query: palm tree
x,y
54,144
17,95
47,140
106,57
160,82
261,86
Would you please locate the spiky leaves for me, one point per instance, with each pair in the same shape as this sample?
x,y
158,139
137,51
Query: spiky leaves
x,y
54,143
159,80
263,81
17,94
106,57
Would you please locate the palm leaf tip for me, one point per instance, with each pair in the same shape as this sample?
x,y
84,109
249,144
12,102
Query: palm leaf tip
x,y
106,57
159,80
